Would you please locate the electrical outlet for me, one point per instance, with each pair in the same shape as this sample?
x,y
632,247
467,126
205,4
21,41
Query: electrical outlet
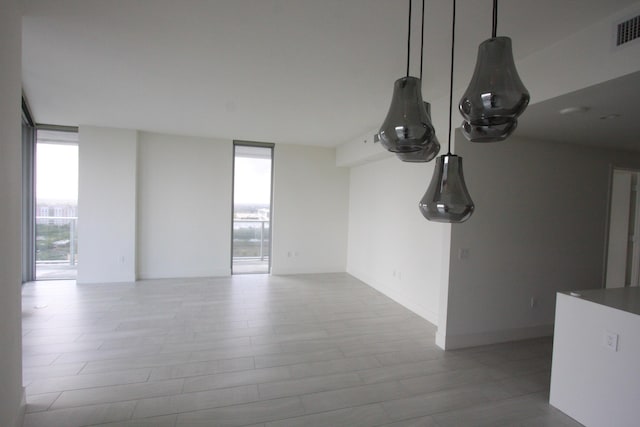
x,y
463,253
611,340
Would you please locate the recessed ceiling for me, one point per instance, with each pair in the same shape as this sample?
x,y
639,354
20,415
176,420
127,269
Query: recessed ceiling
x,y
604,115
293,71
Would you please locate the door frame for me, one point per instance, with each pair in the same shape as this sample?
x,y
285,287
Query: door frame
x,y
632,240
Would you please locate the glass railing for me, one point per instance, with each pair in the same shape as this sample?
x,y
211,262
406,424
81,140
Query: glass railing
x,y
251,239
56,240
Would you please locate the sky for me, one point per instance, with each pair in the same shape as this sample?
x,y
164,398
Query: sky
x,y
252,181
57,172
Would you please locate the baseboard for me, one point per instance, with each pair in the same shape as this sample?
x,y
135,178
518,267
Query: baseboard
x,y
441,340
220,272
290,271
455,341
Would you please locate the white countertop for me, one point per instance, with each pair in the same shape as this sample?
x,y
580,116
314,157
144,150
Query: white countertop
x,y
625,299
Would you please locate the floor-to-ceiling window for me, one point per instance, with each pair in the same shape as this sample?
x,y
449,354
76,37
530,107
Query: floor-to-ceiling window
x,y
56,204
28,200
251,242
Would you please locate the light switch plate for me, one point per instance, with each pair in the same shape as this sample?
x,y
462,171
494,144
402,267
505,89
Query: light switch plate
x,y
611,340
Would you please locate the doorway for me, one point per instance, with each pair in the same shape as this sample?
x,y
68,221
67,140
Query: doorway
x,y
56,205
623,248
252,189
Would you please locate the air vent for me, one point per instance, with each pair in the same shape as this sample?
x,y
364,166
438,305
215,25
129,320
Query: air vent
x,y
628,30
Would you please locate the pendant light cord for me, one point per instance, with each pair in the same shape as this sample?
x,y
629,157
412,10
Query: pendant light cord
x,y
495,19
453,42
409,38
422,42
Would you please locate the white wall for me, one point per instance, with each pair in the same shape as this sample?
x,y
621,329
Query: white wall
x,y
158,206
11,392
184,206
310,209
590,382
361,150
392,247
539,227
106,205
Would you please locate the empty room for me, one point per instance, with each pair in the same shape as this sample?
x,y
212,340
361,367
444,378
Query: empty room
x,y
254,213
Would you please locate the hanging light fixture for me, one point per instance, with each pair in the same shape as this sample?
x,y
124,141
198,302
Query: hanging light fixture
x,y
407,127
495,96
447,198
426,154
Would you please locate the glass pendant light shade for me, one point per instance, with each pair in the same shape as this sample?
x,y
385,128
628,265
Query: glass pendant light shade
x,y
407,127
426,154
489,132
447,198
495,92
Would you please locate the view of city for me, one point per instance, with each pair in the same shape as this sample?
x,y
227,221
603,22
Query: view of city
x,y
56,240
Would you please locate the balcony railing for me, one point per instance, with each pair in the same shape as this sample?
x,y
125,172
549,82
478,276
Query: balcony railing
x,y
251,241
56,240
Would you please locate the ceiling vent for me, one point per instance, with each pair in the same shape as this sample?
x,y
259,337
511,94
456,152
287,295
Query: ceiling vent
x,y
628,30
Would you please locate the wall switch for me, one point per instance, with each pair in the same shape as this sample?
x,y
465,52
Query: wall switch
x,y
533,302
463,253
611,340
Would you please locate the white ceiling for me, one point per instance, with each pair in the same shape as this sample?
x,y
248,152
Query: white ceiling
x,y
314,72
606,116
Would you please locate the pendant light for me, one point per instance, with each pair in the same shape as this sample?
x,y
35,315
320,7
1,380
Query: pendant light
x,y
407,127
495,96
447,198
426,154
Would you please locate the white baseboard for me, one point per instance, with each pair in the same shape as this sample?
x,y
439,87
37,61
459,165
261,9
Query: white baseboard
x,y
451,342
220,272
289,271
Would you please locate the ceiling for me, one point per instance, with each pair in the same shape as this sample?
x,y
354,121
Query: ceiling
x,y
317,72
604,115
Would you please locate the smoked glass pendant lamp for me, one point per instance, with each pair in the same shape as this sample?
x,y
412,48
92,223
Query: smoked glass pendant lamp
x,y
426,154
407,127
489,131
447,198
495,96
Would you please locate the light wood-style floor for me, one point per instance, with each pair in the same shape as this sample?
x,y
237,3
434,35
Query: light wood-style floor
x,y
258,350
